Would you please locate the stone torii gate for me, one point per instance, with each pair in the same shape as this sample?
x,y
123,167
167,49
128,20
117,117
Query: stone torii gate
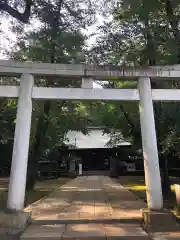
x,y
28,91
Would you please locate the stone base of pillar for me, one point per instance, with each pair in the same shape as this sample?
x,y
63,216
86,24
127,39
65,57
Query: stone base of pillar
x,y
15,222
158,221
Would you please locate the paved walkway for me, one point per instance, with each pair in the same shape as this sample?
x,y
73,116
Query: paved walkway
x,y
93,207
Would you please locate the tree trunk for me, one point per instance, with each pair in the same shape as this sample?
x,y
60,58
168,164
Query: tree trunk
x,y
43,121
133,128
41,130
166,187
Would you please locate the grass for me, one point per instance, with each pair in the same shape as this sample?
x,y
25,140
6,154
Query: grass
x,y
136,185
42,188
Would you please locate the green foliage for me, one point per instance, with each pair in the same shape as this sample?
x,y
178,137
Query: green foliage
x,y
57,38
141,33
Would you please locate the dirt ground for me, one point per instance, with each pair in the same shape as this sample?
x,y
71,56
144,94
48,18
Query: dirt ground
x,y
136,184
42,188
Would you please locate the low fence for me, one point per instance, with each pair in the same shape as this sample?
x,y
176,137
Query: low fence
x,y
136,158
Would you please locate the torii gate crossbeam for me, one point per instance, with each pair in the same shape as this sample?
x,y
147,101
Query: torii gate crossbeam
x,y
144,94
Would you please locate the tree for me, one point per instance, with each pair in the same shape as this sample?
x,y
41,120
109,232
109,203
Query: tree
x,y
24,10
58,39
142,33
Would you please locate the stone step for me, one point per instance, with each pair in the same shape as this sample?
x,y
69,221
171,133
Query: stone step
x,y
40,232
85,232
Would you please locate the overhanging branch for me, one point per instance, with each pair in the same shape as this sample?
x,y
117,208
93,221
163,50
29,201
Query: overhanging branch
x,y
22,17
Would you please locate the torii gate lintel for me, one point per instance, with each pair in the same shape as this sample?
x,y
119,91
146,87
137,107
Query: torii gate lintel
x,y
27,91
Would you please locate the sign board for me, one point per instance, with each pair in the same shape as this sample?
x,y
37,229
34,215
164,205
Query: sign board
x,y
131,167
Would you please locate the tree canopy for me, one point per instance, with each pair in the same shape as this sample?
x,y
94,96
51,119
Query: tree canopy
x,y
131,34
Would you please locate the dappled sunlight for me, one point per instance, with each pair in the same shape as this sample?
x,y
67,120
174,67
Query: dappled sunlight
x,y
73,212
87,202
113,186
113,230
68,188
173,188
86,229
167,235
88,209
130,213
44,231
136,184
173,235
89,231
123,230
89,189
137,187
79,189
3,189
89,214
45,217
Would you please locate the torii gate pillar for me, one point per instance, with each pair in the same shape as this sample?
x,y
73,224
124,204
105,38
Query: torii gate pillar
x,y
17,184
149,143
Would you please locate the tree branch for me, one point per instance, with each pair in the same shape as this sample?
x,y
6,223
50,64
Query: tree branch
x,y
22,17
72,13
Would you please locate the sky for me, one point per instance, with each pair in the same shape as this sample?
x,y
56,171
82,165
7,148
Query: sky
x,y
7,38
